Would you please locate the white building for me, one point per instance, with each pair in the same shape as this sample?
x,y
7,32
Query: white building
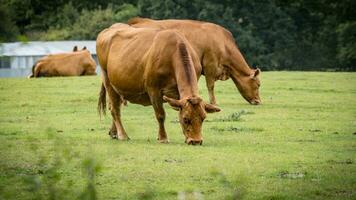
x,y
17,58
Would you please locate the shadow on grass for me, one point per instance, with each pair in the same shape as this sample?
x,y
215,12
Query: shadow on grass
x,y
236,129
233,117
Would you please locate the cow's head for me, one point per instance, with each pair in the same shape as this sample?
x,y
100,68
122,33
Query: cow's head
x,y
192,112
249,87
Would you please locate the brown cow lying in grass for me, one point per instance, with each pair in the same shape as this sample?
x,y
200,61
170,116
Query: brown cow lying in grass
x,y
147,66
217,51
76,63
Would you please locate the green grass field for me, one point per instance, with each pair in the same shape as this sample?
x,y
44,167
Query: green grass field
x,y
300,144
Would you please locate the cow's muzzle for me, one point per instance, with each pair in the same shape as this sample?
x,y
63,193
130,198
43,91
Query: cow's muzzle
x,y
191,141
255,102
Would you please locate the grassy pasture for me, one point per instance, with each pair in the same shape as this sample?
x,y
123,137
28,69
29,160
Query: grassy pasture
x,y
300,144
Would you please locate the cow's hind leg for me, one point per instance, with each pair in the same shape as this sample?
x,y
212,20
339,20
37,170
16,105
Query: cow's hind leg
x,y
37,71
116,114
113,131
115,104
88,72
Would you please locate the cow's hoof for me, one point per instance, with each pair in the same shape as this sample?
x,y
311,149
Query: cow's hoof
x,y
163,141
113,134
123,138
114,137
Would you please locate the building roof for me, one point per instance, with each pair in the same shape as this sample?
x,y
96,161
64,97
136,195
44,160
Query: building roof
x,y
40,48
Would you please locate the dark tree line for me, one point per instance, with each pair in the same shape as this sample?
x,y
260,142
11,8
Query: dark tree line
x,y
273,35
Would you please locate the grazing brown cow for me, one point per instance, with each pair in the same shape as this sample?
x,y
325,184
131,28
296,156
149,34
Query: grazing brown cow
x,y
218,53
147,66
76,63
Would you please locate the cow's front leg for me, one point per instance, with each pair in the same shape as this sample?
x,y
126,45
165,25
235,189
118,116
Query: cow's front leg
x,y
157,103
162,135
210,81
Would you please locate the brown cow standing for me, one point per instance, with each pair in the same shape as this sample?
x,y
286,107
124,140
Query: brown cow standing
x,y
147,67
218,53
76,63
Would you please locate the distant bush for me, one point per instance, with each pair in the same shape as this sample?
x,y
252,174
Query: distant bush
x,y
272,35
347,45
8,29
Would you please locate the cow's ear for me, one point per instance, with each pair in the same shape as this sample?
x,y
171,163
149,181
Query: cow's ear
x,y
75,48
84,48
176,105
209,108
257,72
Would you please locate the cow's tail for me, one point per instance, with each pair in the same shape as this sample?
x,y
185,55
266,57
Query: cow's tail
x,y
33,71
102,101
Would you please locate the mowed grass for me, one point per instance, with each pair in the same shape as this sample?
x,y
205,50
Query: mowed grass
x,y
300,144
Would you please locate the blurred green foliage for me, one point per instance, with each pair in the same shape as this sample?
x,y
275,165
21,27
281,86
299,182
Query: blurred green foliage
x,y
273,35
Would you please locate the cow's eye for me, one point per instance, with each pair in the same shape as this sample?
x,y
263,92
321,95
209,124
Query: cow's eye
x,y
186,120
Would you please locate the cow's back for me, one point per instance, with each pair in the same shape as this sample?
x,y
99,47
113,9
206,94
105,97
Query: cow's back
x,y
66,64
218,53
121,51
137,58
203,36
103,42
